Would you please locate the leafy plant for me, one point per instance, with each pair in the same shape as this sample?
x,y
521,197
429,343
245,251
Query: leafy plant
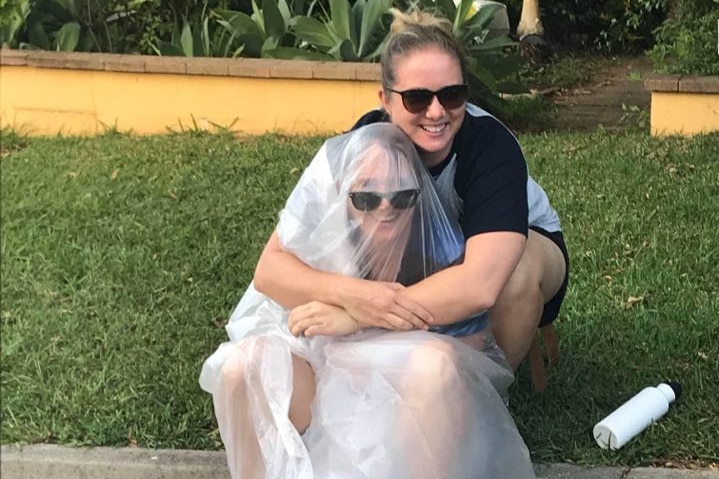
x,y
196,38
265,33
67,25
52,25
630,28
619,26
686,42
117,26
348,33
12,16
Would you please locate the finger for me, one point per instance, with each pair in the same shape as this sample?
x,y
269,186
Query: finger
x,y
318,328
296,329
300,325
307,324
398,323
378,322
293,316
408,316
313,331
293,319
410,319
412,309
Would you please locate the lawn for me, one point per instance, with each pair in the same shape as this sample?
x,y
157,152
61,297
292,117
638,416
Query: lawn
x,y
123,256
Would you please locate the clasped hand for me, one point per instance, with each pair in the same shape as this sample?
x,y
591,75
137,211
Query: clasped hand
x,y
367,304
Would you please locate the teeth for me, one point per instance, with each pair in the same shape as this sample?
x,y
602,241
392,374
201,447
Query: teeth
x,y
434,128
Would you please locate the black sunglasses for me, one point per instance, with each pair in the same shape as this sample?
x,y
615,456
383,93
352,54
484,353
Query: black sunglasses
x,y
370,200
417,100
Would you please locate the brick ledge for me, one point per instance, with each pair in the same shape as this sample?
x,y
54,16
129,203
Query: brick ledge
x,y
682,83
232,67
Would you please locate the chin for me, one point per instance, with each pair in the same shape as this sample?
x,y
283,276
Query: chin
x,y
433,151
435,144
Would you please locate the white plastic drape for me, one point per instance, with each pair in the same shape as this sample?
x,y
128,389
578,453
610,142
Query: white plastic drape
x,y
388,404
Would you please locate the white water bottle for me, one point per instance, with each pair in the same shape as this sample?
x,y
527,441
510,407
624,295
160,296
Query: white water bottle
x,y
635,415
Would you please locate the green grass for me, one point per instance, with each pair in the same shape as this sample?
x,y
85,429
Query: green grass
x,y
122,257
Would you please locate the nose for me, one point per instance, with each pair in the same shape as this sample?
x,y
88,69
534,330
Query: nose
x,y
435,110
384,205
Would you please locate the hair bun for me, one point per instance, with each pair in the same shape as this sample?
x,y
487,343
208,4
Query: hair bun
x,y
416,17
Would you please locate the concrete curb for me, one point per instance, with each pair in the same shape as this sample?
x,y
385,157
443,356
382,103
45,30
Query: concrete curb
x,y
44,461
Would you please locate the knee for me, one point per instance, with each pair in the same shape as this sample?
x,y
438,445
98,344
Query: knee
x,y
241,362
524,283
234,370
434,358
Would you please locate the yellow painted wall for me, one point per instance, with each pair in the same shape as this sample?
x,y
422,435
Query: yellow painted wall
x,y
44,101
684,113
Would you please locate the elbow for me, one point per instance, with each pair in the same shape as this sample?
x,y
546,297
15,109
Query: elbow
x,y
475,299
261,278
484,293
485,301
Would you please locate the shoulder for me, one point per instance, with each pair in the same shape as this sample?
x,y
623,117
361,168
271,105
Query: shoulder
x,y
374,116
483,131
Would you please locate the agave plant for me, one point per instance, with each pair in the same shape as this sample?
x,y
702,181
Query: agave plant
x,y
265,33
197,39
355,33
67,25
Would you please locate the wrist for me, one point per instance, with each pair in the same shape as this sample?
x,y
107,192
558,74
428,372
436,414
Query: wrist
x,y
340,290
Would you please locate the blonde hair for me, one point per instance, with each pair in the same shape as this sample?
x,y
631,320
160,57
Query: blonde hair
x,y
415,30
416,16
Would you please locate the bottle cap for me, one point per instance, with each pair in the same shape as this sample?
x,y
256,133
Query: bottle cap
x,y
676,387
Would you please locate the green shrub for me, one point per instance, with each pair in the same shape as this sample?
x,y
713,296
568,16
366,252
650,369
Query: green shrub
x,y
113,26
231,33
348,32
344,30
12,17
687,41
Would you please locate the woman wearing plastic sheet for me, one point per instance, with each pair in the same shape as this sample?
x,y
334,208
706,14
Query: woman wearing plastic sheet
x,y
314,393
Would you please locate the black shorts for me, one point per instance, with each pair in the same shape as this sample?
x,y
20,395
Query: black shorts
x,y
551,308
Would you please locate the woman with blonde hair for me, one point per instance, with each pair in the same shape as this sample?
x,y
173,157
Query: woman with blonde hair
x,y
516,264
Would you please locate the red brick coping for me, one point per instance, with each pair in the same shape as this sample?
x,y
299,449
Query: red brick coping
x,y
682,84
232,67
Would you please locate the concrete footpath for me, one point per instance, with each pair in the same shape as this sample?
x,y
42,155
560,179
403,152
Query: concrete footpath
x,y
45,461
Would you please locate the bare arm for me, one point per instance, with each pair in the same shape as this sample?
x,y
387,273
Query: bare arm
x,y
460,291
286,279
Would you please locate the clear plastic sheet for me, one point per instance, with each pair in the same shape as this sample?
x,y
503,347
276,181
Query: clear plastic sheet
x,y
388,404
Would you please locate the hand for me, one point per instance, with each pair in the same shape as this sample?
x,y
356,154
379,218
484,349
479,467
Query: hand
x,y
381,304
316,318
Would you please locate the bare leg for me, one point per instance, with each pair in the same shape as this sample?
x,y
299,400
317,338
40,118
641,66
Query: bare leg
x,y
233,410
303,393
435,393
536,279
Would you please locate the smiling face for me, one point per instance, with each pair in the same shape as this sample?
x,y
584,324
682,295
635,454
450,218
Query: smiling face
x,y
433,129
385,226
